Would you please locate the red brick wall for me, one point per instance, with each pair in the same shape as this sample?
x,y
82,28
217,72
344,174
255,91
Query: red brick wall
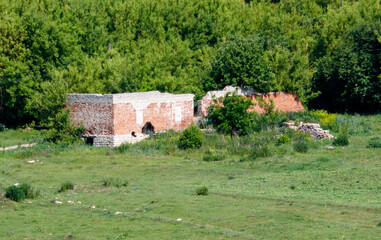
x,y
161,115
97,118
187,115
124,119
284,102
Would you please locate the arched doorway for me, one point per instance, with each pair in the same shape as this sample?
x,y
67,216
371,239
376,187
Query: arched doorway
x,y
148,128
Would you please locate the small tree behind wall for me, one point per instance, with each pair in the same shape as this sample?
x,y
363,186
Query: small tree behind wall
x,y
233,117
62,130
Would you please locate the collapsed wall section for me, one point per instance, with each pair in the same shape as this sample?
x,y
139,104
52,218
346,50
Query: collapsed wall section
x,y
284,102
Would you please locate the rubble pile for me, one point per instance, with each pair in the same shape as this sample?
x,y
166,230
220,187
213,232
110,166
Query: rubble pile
x,y
313,129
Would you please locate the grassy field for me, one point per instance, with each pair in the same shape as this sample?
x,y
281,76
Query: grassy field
x,y
13,137
322,194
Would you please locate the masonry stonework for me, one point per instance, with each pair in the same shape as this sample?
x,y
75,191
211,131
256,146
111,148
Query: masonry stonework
x,y
284,102
117,118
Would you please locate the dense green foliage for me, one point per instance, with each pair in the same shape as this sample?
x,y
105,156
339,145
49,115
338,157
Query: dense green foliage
x,y
240,62
284,139
190,138
51,47
350,79
14,193
21,192
62,130
203,191
232,117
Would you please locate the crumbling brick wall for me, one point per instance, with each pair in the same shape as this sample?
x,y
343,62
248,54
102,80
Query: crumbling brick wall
x,y
93,111
284,102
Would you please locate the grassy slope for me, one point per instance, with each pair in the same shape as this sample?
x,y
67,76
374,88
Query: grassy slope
x,y
336,195
16,137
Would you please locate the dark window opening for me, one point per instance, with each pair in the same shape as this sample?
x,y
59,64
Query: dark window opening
x,y
90,140
148,128
133,134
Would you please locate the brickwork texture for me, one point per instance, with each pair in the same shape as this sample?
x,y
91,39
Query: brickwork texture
x,y
284,102
114,117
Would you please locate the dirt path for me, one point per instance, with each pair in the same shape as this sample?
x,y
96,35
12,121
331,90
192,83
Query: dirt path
x,y
17,146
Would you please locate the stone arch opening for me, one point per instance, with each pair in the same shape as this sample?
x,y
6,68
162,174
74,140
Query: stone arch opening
x,y
148,128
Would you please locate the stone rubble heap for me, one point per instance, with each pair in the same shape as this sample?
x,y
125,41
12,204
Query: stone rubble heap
x,y
314,129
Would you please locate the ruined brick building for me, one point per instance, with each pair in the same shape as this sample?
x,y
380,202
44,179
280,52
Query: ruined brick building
x,y
113,119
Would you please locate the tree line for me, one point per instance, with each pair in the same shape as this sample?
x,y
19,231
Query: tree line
x,y
327,51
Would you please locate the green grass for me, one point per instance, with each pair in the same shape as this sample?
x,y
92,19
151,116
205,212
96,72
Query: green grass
x,y
321,194
13,137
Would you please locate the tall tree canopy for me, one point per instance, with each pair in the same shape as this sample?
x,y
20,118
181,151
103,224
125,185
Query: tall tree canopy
x,y
350,79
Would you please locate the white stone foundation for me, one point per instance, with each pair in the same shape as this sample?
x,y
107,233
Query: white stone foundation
x,y
117,140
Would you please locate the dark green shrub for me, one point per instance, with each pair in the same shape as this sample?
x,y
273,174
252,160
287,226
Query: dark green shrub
x,y
203,191
190,138
115,182
62,130
283,140
301,146
15,193
214,155
19,193
66,186
341,140
374,142
29,191
232,117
